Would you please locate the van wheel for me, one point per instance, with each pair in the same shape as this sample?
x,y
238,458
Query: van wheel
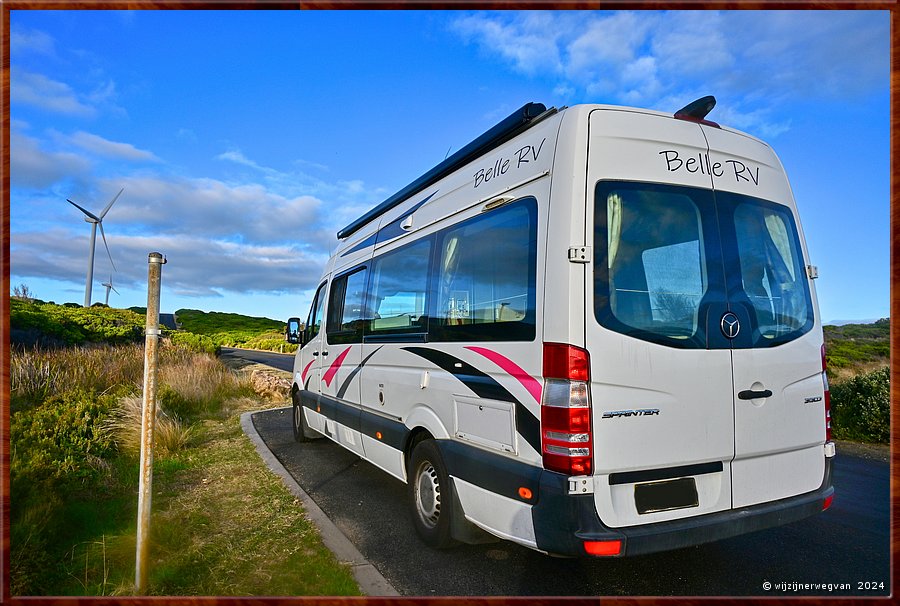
x,y
429,495
301,428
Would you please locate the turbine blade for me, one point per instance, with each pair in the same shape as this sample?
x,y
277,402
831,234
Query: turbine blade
x,y
87,212
107,246
111,202
114,289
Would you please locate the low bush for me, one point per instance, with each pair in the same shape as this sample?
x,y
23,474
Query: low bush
x,y
123,426
861,407
76,325
195,342
60,441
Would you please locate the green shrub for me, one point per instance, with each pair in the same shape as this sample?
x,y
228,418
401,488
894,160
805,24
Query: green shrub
x,y
861,407
199,343
73,324
60,441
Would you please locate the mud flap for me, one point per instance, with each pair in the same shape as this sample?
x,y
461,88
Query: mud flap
x,y
462,529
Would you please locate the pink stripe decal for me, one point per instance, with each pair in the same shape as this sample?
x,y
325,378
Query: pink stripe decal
x,y
528,382
329,376
305,370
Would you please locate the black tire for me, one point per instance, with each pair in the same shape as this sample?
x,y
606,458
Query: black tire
x,y
301,428
431,503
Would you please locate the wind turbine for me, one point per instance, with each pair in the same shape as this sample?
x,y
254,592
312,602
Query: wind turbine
x,y
94,220
109,286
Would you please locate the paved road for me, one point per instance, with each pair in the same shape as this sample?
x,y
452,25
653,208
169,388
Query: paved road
x,y
848,544
270,358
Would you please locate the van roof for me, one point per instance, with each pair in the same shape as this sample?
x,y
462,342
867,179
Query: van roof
x,y
519,121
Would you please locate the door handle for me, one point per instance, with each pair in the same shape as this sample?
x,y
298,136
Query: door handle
x,y
749,394
315,353
324,353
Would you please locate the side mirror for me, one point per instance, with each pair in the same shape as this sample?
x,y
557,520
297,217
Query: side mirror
x,y
294,335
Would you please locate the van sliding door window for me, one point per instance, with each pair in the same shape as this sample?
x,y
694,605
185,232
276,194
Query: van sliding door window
x,y
399,285
486,270
651,259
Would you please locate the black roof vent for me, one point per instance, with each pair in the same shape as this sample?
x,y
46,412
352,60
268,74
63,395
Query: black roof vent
x,y
506,129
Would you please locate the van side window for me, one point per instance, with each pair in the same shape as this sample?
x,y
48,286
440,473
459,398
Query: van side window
x,y
314,321
399,286
486,269
346,308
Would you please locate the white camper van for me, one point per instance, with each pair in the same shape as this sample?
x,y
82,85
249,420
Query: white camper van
x,y
591,331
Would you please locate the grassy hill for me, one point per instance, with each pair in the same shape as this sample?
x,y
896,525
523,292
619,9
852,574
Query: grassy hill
x,y
213,322
70,324
235,330
853,349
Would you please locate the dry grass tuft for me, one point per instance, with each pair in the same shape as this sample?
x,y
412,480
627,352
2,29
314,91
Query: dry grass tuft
x,y
124,427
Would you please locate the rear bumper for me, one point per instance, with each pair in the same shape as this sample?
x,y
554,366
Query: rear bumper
x,y
563,522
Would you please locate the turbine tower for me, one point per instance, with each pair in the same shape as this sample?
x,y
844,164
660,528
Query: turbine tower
x,y
94,220
109,286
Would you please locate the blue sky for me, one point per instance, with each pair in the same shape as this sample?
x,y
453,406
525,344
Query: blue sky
x,y
245,140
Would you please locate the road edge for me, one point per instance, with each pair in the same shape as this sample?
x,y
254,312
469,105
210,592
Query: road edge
x,y
370,580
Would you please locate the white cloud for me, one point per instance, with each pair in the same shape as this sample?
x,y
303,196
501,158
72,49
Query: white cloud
x,y
753,61
110,149
40,91
23,40
195,266
528,41
31,166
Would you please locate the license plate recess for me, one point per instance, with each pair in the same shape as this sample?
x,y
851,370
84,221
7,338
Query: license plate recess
x,y
664,496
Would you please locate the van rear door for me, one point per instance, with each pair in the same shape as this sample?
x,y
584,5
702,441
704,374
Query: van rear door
x,y
707,388
661,371
778,388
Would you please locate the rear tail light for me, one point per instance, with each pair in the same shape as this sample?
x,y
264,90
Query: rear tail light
x,y
566,439
827,397
827,502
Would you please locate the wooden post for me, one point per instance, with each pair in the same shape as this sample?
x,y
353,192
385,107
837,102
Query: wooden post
x,y
148,418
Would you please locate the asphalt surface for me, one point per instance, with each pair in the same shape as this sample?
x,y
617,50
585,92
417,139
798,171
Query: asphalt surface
x,y
848,544
269,358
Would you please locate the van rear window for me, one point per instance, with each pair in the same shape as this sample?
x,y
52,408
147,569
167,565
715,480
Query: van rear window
x,y
650,272
665,256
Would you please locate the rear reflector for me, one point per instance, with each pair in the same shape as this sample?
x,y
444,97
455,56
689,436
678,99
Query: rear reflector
x,y
603,548
827,503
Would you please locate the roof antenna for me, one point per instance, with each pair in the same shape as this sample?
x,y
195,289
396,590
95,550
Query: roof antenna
x,y
448,152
